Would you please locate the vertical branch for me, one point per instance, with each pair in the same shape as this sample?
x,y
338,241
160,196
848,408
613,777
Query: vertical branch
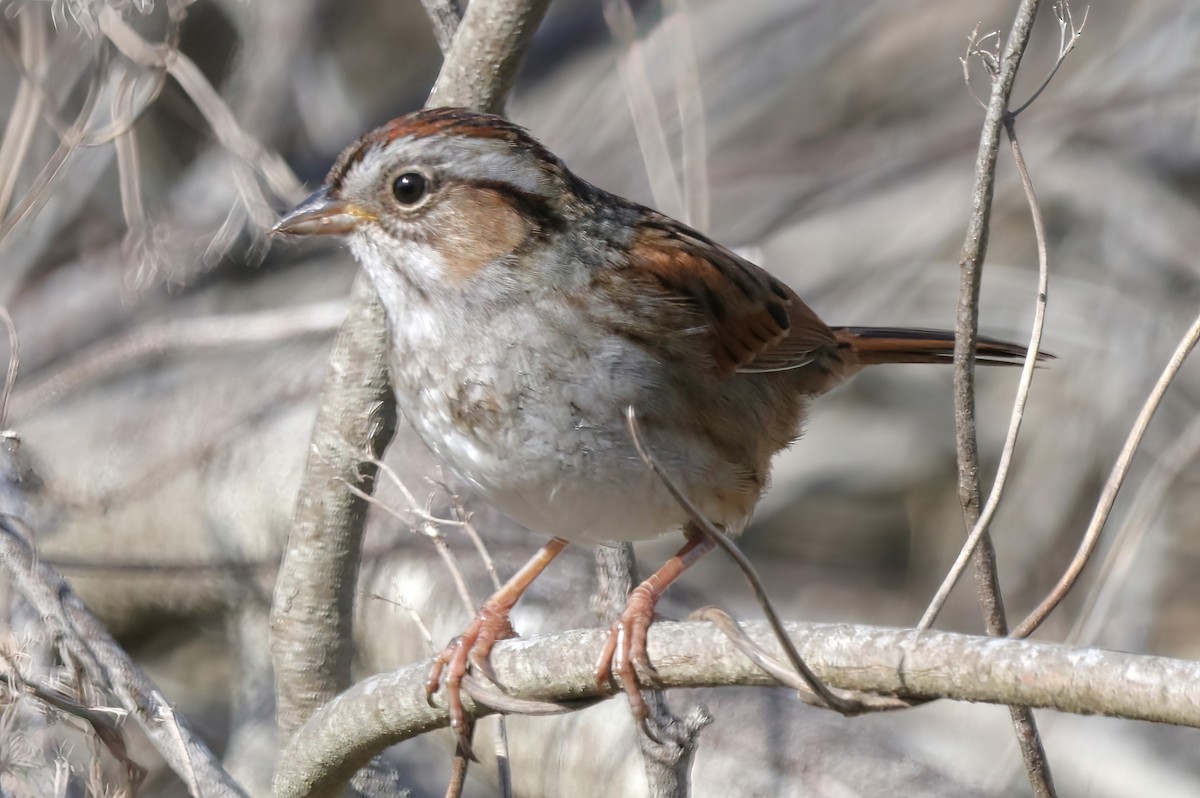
x,y
487,49
444,15
974,250
667,759
313,607
312,612
1018,411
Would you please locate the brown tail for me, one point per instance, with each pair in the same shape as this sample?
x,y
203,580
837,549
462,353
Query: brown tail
x,y
874,345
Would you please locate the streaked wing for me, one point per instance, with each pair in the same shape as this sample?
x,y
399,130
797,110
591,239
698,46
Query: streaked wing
x,y
756,323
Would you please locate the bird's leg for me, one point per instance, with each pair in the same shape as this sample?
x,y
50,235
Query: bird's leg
x,y
626,645
475,643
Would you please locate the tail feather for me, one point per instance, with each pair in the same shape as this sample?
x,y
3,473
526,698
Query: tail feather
x,y
875,345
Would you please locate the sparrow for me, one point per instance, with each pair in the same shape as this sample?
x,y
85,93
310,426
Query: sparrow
x,y
529,312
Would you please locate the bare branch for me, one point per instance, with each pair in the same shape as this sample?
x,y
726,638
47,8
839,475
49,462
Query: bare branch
x,y
313,607
1147,504
26,107
1068,36
1022,396
274,170
488,46
88,641
974,250
444,16
1116,478
388,708
977,49
831,699
786,675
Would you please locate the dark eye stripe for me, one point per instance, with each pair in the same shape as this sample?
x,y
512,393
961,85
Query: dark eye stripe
x,y
531,206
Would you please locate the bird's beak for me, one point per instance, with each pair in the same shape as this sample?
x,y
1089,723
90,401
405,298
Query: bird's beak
x,y
321,215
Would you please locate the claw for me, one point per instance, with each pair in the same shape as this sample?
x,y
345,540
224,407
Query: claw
x,y
483,665
464,742
449,668
625,647
625,650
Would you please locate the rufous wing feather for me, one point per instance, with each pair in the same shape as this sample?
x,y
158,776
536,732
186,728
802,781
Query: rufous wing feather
x,y
756,322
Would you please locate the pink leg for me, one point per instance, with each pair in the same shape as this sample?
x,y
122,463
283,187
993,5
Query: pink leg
x,y
475,643
626,645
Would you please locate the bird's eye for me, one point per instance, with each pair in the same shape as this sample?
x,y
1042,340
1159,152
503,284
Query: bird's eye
x,y
410,188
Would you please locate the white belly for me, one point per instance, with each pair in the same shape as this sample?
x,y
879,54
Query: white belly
x,y
530,410
565,468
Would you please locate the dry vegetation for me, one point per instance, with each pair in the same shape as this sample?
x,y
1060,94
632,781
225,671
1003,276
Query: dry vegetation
x,y
172,363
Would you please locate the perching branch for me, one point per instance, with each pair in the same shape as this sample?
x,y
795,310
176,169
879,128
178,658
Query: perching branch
x,y
388,708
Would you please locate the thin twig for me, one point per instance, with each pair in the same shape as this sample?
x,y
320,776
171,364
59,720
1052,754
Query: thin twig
x,y
1022,395
783,674
1066,44
831,699
976,49
412,613
1068,37
1145,507
273,169
126,85
430,531
468,528
103,721
1116,478
413,505
974,250
26,106
41,188
643,107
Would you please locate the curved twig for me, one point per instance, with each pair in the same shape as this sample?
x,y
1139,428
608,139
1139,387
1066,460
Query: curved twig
x,y
1116,478
1022,395
831,699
